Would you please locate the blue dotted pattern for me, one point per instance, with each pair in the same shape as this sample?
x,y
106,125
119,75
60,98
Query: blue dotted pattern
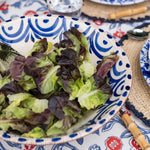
x,y
21,139
5,135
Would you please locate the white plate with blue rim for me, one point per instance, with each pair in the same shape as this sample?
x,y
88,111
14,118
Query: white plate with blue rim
x,y
118,2
32,28
145,61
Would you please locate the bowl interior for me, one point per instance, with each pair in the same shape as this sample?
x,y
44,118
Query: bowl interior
x,y
21,33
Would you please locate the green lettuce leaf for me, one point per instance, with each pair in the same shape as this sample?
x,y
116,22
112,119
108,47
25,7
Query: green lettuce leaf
x,y
56,129
5,80
93,99
87,69
89,96
39,46
36,132
16,99
27,83
16,113
36,105
15,125
47,82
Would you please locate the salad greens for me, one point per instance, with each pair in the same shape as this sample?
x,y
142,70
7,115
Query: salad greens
x,y
48,91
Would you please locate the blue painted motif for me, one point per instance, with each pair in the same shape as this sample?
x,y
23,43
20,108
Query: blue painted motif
x,y
87,23
145,62
102,121
117,44
88,129
120,63
41,9
129,76
112,112
125,94
128,65
40,148
119,103
56,139
96,132
80,141
30,2
73,135
109,36
94,147
39,140
21,139
63,147
15,145
123,53
2,147
127,87
5,135
101,30
17,4
108,126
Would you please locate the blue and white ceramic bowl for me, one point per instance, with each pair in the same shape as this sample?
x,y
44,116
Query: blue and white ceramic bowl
x,y
145,61
118,2
21,33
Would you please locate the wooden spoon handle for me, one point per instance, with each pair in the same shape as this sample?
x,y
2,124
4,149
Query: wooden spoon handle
x,y
128,12
138,136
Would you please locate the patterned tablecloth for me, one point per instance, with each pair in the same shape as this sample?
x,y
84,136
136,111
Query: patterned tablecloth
x,y
112,136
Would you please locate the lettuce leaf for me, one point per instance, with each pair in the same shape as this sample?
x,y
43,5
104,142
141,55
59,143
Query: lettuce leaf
x,y
36,132
15,125
39,46
91,95
87,69
5,80
34,104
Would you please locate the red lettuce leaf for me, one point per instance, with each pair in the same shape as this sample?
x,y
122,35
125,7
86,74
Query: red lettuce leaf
x,y
11,88
57,102
39,118
66,43
106,64
17,67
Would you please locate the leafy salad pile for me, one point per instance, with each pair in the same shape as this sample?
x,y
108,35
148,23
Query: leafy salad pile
x,y
47,92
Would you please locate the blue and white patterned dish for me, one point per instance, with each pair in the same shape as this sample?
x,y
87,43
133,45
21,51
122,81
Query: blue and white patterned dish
x,y
145,61
21,33
118,2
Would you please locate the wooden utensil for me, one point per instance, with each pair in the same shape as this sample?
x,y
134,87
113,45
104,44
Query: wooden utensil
x,y
128,12
138,136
